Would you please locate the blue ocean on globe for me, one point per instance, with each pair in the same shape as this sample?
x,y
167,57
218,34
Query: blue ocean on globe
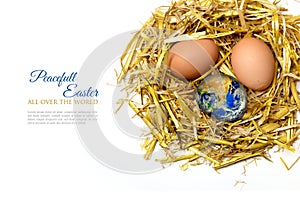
x,y
222,97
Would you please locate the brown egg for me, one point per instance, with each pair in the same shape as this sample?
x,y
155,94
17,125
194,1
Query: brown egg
x,y
190,59
253,63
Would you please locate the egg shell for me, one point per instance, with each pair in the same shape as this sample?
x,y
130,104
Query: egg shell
x,y
190,59
253,63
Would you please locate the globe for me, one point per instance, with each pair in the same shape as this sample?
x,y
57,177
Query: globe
x,y
222,97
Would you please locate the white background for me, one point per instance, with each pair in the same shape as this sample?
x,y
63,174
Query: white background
x,y
49,162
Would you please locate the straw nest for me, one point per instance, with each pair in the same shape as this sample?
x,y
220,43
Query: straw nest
x,y
167,106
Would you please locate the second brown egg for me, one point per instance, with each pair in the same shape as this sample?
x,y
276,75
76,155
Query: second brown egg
x,y
253,63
